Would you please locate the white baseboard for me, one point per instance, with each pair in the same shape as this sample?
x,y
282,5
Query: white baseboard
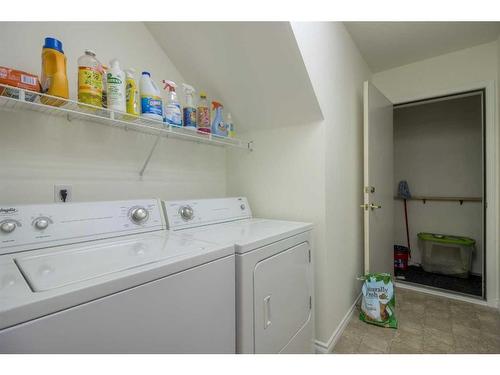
x,y
327,347
439,293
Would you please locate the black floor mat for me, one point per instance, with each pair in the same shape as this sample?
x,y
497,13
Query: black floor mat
x,y
415,274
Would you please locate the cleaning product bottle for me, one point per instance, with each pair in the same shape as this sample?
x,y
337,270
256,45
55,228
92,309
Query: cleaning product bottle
x,y
115,80
54,80
203,114
104,72
189,110
89,79
151,102
132,93
173,113
230,126
218,125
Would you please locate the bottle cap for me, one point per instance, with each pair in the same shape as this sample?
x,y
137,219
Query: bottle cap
x,y
53,43
146,74
203,94
90,52
115,63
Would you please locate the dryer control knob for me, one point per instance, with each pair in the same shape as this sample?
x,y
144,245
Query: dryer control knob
x,y
186,213
8,226
41,223
139,215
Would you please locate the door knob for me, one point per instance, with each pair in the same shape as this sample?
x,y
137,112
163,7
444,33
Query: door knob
x,y
372,206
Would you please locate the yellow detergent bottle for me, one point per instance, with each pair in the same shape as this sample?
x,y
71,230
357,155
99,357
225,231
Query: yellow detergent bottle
x,y
54,80
132,93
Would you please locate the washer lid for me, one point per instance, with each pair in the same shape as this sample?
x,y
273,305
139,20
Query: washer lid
x,y
40,282
59,268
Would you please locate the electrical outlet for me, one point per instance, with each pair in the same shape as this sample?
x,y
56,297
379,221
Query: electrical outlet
x,y
63,193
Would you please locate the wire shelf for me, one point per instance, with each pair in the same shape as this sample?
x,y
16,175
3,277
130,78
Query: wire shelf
x,y
16,99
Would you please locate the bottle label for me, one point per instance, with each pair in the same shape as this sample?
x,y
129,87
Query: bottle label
x,y
189,117
219,128
152,105
132,97
89,81
173,114
115,89
203,117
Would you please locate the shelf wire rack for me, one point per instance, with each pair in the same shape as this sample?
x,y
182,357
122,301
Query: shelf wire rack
x,y
17,99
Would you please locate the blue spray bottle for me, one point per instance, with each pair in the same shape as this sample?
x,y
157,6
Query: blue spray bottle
x,y
218,125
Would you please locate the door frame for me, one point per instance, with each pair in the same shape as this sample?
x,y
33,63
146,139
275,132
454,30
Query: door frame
x,y
492,164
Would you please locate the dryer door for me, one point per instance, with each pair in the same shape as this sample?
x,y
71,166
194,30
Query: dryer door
x,y
282,298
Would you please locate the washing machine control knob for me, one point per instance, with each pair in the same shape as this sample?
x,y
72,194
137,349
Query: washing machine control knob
x,y
186,213
8,226
139,215
41,223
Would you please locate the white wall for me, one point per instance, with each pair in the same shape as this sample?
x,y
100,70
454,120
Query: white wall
x,y
101,163
498,163
337,72
314,172
438,150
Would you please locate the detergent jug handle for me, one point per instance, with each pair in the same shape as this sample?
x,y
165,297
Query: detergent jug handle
x,y
155,86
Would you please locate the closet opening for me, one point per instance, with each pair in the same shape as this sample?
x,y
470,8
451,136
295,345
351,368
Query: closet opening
x,y
440,193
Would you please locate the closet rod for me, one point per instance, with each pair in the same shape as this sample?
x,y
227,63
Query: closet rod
x,y
443,199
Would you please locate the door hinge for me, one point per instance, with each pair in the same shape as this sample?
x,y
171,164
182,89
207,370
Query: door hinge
x,y
309,255
310,302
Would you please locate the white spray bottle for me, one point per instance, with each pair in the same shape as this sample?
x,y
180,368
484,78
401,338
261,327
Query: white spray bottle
x,y
173,113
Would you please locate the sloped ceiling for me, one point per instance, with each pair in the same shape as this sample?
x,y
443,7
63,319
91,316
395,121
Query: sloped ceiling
x,y
386,45
254,68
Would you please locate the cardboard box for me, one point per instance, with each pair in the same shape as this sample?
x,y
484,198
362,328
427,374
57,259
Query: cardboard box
x,y
20,79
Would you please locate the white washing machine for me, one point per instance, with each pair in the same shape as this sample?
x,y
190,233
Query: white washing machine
x,y
106,277
274,275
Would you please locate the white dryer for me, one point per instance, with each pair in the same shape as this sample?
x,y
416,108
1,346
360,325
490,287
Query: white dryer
x,y
274,276
106,277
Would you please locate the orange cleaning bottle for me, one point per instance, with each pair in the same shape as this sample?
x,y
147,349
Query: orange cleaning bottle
x,y
54,79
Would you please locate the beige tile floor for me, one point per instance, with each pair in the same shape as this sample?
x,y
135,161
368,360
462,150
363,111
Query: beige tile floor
x,y
427,324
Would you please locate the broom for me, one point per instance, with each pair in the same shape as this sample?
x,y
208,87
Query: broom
x,y
404,193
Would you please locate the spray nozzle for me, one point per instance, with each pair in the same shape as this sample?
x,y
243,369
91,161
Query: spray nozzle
x,y
216,105
169,85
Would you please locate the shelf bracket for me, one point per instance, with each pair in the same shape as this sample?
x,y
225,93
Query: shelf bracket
x,y
250,146
143,169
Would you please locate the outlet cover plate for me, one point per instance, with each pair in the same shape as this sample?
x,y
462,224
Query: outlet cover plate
x,y
57,195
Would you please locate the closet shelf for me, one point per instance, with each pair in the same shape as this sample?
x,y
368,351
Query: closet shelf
x,y
72,110
442,199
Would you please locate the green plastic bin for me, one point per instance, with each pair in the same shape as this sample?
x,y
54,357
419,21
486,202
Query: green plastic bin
x,y
447,254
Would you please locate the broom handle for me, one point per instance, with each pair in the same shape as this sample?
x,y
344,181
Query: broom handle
x,y
407,229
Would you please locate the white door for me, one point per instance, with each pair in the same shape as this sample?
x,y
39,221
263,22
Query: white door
x,y
282,298
378,181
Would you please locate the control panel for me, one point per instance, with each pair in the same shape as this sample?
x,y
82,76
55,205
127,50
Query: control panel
x,y
27,227
189,214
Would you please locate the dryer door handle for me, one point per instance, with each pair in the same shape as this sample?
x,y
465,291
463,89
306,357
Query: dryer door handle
x,y
267,311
